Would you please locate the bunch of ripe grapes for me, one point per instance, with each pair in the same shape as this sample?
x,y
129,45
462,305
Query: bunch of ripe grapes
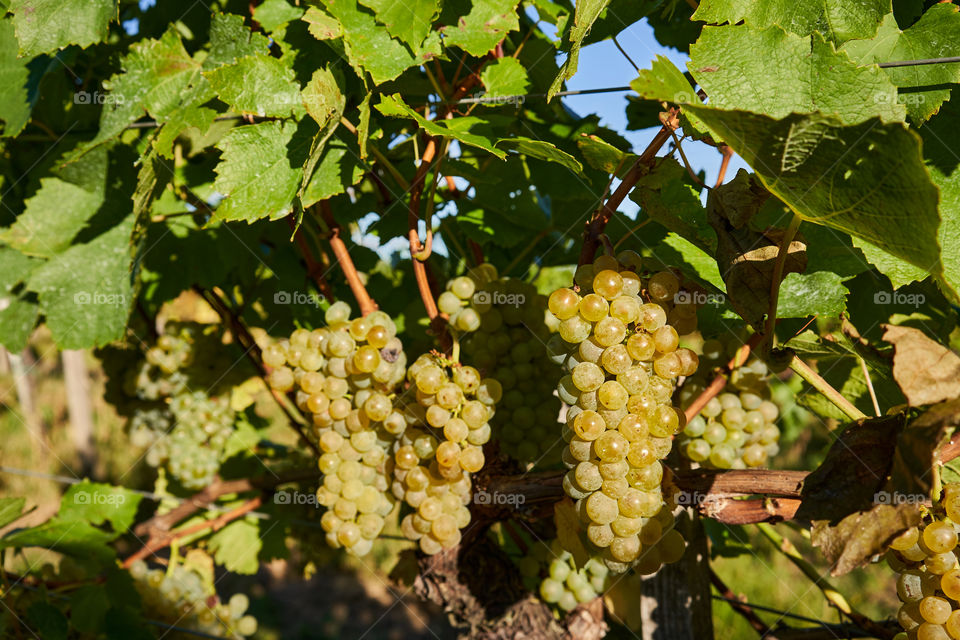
x,y
504,322
449,407
929,580
619,341
737,429
549,570
345,377
182,597
182,411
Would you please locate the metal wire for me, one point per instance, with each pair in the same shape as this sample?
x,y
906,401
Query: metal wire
x,y
917,63
150,495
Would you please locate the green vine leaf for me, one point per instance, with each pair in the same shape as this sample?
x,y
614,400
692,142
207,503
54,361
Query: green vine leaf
x,y
275,13
777,73
258,85
15,105
231,39
837,20
408,21
923,88
48,25
369,46
256,174
585,14
479,29
237,546
461,129
87,291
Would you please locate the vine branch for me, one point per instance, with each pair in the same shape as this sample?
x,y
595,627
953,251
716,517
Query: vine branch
x,y
598,222
342,254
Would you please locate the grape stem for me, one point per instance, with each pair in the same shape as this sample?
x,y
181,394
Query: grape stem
x,y
724,163
158,528
252,350
315,269
778,266
154,544
641,165
342,254
804,370
834,597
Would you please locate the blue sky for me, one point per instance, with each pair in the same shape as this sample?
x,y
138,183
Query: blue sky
x,y
602,65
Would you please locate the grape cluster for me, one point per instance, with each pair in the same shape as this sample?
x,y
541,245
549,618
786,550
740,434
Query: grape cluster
x,y
737,429
185,430
619,340
449,407
192,448
180,596
929,580
345,377
550,571
507,324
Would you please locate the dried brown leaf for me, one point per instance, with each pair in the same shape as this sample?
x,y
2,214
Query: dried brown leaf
x,y
860,536
926,371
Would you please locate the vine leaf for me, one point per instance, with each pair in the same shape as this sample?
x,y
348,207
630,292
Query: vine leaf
x,y
881,194
258,85
820,293
231,39
48,25
602,155
325,103
237,546
836,19
78,527
855,469
920,447
734,66
409,21
843,499
461,129
275,13
585,14
944,167
857,538
926,371
568,530
323,26
369,46
746,257
256,173
542,150
505,77
933,36
61,207
667,195
157,76
15,104
87,291
479,30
